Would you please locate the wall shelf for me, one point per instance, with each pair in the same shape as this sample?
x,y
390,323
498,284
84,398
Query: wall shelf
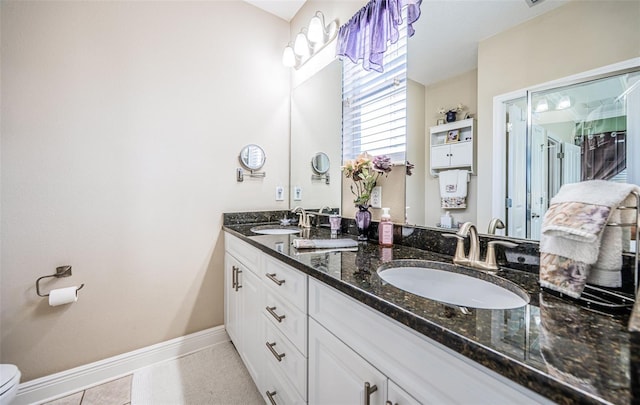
x,y
452,146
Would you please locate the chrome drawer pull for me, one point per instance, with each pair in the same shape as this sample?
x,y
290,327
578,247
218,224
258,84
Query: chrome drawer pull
x,y
233,276
238,286
273,351
270,395
272,277
271,310
368,390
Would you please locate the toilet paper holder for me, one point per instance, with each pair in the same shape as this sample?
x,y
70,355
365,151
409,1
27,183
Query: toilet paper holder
x,y
62,271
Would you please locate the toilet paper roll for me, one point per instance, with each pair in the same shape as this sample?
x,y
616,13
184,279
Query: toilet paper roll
x,y
63,296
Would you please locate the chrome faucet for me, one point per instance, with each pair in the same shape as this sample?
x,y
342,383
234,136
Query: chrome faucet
x,y
496,223
473,259
326,207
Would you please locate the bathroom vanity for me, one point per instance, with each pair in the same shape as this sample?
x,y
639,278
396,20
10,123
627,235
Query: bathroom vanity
x,y
322,327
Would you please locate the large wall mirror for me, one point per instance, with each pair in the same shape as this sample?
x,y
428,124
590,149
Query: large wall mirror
x,y
316,119
569,133
518,51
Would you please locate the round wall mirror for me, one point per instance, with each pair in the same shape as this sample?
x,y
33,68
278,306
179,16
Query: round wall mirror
x,y
252,157
320,163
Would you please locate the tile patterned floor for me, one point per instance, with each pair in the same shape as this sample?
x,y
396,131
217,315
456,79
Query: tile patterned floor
x,y
116,392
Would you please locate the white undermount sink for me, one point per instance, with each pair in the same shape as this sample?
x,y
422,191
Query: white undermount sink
x,y
275,230
446,283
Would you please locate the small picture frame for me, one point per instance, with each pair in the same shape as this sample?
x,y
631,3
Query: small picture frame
x,y
440,121
453,136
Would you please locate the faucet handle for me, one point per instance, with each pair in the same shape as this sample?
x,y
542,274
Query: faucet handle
x,y
490,261
307,223
459,257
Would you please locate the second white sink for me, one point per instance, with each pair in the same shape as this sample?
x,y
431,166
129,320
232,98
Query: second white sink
x,y
275,230
443,282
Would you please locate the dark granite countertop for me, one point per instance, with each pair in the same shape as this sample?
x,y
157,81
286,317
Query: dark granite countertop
x,y
552,346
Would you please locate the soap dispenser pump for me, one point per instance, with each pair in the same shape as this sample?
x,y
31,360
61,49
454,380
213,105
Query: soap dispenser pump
x,y
385,229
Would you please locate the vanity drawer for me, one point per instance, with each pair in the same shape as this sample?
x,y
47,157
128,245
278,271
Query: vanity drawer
x,y
289,320
286,282
277,389
245,253
283,355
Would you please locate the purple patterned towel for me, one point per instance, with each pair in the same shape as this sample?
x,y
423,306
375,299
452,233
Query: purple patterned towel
x,y
563,274
572,233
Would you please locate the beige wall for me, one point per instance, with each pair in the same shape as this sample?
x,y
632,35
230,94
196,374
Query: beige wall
x,y
449,93
415,184
574,38
121,127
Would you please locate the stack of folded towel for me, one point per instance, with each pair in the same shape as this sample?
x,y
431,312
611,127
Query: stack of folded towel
x,y
576,246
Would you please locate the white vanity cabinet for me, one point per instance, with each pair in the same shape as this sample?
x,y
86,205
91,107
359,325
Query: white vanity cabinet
x,y
447,153
416,367
303,341
243,297
266,318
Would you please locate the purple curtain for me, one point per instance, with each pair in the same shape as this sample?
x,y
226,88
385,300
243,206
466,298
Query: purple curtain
x,y
366,35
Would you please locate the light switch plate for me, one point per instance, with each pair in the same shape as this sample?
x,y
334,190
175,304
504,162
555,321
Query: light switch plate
x,y
376,197
279,193
297,193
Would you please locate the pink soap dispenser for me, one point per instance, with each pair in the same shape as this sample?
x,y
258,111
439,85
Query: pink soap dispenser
x,y
385,229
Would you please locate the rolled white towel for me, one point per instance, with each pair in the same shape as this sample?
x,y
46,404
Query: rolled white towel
x,y
324,243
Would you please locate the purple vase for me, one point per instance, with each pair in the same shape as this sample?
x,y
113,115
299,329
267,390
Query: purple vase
x,y
363,221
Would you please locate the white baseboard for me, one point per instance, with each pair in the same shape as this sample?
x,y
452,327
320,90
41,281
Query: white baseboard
x,y
76,379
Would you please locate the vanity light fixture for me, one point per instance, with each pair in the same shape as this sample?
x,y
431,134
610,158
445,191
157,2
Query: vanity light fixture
x,y
542,105
317,32
288,56
564,103
309,41
301,46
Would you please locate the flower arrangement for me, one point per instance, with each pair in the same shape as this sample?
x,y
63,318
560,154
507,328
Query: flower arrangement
x,y
455,109
365,171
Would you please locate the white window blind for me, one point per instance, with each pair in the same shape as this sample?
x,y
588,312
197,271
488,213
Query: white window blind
x,y
374,105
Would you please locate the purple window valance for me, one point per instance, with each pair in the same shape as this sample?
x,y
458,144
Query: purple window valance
x,y
365,37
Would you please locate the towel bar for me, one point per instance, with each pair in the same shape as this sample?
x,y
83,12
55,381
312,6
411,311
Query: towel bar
x,y
62,271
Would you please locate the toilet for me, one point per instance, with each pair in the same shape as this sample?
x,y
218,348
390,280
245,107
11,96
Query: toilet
x,y
9,380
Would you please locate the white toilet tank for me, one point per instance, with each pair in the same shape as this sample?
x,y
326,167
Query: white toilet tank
x,y
9,380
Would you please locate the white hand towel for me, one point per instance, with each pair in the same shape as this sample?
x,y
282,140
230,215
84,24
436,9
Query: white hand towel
x,y
453,183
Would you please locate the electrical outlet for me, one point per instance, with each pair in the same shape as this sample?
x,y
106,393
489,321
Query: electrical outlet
x,y
297,193
279,193
376,197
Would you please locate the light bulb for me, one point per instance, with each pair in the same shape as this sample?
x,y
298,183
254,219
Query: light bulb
x,y
316,30
301,46
288,57
542,105
564,103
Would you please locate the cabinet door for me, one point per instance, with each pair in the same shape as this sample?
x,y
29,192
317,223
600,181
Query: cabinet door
x,y
250,289
440,156
232,302
338,375
398,396
461,154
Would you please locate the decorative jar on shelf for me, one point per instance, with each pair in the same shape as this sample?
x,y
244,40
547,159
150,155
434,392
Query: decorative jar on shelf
x,y
451,116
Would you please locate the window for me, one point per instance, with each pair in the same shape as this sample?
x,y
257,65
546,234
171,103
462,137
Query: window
x,y
374,105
